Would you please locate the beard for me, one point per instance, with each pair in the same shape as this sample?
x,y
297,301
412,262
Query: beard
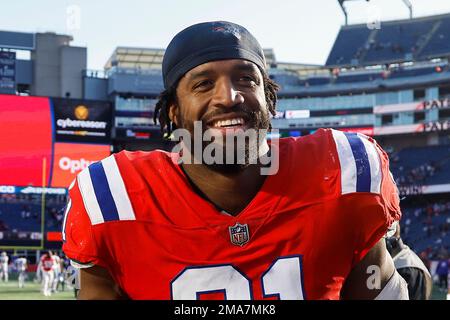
x,y
232,153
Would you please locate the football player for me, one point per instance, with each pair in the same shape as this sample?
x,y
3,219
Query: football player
x,y
4,272
21,264
410,267
46,268
72,279
56,272
295,218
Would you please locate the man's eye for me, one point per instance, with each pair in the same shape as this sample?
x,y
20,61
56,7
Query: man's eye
x,y
202,84
248,79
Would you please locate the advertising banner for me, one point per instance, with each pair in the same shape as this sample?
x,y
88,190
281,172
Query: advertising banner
x,y
413,106
25,140
400,129
433,126
71,158
82,120
368,131
138,134
30,154
297,114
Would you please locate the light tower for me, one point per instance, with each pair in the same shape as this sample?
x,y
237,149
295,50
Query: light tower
x,y
341,3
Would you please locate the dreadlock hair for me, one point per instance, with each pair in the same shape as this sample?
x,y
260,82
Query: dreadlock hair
x,y
169,97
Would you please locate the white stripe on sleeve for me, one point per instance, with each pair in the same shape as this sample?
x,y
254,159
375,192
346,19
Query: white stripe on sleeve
x,y
347,162
118,190
89,198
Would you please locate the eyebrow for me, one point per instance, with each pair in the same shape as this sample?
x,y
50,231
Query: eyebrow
x,y
239,67
200,74
247,67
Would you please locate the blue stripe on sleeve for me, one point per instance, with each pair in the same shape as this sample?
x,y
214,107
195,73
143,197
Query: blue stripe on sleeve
x,y
102,192
363,177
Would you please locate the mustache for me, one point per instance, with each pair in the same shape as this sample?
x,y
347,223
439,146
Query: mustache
x,y
239,109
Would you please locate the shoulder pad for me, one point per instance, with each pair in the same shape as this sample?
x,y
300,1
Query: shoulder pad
x,y
104,193
359,161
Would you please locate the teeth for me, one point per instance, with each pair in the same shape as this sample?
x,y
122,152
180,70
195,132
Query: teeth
x,y
229,122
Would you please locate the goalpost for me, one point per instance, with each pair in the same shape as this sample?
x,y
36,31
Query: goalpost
x,y
16,248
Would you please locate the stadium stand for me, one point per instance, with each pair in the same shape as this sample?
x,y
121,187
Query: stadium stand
x,y
439,43
345,51
424,165
22,213
426,227
396,41
426,218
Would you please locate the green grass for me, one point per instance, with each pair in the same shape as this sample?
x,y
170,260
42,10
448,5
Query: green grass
x,y
11,291
437,295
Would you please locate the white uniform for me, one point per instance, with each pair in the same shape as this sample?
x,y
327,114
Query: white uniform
x,y
72,277
4,259
21,266
56,272
406,258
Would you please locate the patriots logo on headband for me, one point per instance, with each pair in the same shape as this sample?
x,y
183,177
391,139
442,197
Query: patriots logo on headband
x,y
228,29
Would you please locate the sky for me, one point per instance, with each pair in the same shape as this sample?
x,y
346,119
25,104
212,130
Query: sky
x,y
301,31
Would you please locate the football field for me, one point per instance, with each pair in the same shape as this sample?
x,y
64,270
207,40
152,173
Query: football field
x,y
11,291
31,291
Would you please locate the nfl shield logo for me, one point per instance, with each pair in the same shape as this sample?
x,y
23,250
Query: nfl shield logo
x,y
239,234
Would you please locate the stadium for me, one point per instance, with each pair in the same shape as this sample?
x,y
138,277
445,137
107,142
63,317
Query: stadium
x,y
389,81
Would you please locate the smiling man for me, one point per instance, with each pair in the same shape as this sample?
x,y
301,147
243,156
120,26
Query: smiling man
x,y
158,225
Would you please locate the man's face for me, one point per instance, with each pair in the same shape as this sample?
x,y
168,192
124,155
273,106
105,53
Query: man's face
x,y
225,96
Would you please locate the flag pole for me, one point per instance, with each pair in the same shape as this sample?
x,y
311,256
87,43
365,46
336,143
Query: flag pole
x,y
44,171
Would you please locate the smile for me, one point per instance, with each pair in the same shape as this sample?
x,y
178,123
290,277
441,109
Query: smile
x,y
228,123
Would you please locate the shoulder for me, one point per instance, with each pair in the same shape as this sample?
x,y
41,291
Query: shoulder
x,y
364,174
124,168
112,189
353,161
105,199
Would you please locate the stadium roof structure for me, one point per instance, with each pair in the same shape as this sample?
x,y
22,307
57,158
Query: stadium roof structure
x,y
151,58
398,41
139,58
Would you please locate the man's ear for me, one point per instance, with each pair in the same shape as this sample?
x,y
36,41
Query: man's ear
x,y
173,113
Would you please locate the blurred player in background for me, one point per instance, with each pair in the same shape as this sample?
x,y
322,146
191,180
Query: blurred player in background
x,y
410,267
46,268
63,262
4,261
442,272
56,272
72,279
21,264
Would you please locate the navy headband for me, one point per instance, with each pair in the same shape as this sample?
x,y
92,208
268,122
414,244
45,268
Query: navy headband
x,y
205,42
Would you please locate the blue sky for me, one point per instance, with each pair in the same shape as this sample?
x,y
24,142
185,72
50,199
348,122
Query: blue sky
x,y
298,30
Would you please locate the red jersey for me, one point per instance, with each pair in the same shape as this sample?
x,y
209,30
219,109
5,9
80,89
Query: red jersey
x,y
136,214
47,262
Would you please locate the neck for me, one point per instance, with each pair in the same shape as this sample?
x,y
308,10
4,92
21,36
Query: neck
x,y
232,192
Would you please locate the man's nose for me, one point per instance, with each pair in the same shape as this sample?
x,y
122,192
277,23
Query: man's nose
x,y
226,95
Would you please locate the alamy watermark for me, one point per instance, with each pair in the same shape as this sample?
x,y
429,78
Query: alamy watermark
x,y
73,18
373,282
373,14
